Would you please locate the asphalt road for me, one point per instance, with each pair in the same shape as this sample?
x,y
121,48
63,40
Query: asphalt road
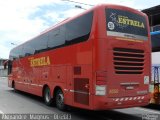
x,y
22,103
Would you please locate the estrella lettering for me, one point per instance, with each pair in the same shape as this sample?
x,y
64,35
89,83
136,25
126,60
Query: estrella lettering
x,y
42,61
126,21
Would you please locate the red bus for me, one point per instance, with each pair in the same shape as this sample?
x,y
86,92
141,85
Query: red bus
x,y
97,60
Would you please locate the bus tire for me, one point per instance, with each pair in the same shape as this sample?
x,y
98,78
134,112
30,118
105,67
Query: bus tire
x,y
47,97
60,100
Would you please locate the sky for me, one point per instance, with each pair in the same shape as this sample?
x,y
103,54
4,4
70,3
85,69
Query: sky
x,y
21,20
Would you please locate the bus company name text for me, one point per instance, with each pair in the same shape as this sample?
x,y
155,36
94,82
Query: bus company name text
x,y
41,61
126,21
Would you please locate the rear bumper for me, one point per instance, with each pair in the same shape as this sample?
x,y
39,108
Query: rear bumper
x,y
104,103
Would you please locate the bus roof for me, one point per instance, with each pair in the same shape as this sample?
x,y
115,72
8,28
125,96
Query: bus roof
x,y
76,16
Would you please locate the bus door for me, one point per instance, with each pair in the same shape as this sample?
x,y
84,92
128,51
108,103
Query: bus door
x,y
81,85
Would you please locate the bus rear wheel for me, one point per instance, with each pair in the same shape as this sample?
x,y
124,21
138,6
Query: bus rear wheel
x,y
47,97
60,100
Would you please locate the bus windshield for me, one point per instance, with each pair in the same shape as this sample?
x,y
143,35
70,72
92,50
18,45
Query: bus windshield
x,y
126,24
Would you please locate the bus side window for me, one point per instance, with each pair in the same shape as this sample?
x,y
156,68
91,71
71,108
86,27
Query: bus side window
x,y
9,67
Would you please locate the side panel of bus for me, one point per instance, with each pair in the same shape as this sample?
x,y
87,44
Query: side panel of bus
x,y
67,66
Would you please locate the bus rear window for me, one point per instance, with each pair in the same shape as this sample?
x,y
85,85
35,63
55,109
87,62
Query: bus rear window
x,y
121,23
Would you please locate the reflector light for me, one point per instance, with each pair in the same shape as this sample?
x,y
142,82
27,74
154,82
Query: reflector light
x,y
139,98
130,98
121,99
117,99
126,99
134,98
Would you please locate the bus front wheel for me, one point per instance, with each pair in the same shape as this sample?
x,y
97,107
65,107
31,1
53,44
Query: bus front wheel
x,y
47,97
60,100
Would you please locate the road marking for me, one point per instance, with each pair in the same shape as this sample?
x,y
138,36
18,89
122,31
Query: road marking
x,y
147,110
1,112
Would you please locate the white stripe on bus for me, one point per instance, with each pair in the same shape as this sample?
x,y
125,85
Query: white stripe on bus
x,y
29,84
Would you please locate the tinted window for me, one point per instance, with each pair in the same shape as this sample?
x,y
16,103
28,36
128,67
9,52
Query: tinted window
x,y
123,23
56,37
12,54
9,67
78,30
16,53
29,49
40,43
37,45
75,31
20,51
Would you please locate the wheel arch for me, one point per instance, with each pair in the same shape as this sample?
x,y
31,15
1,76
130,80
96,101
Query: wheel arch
x,y
56,88
13,83
44,87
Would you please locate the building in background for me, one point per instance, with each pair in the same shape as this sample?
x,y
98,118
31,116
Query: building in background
x,y
3,72
154,22
154,17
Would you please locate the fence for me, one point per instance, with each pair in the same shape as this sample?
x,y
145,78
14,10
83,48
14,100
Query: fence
x,y
155,74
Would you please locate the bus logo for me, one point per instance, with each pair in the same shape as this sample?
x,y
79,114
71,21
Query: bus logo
x,y
111,25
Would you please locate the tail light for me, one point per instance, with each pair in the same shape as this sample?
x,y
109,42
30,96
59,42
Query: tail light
x,y
101,78
100,88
